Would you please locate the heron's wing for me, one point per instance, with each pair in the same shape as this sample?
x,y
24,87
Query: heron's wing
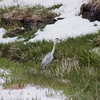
x,y
48,58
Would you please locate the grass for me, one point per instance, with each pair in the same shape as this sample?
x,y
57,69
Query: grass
x,y
75,69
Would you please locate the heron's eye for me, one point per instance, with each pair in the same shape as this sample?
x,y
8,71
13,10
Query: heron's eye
x,y
57,39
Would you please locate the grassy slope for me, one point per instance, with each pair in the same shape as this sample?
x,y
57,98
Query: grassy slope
x,y
80,82
75,68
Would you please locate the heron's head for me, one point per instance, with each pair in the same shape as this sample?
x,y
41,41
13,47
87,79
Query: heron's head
x,y
57,39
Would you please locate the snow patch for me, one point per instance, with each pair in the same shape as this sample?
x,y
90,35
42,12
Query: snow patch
x,y
31,92
71,26
5,40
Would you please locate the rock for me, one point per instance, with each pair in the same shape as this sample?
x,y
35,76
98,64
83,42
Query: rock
x,y
28,23
15,32
91,11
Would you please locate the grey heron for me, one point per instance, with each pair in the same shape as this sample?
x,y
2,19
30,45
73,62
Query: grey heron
x,y
49,57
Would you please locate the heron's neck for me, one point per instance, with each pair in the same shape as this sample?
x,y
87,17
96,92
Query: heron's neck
x,y
53,49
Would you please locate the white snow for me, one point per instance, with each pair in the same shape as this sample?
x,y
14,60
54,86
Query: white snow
x,y
71,26
63,29
2,79
31,92
5,40
3,73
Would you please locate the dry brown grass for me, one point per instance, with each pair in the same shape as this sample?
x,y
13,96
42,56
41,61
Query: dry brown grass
x,y
93,0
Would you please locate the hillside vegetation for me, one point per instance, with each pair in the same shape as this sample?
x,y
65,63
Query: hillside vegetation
x,y
75,68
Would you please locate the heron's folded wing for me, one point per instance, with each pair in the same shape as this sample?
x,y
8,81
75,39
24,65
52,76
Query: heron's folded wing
x,y
47,58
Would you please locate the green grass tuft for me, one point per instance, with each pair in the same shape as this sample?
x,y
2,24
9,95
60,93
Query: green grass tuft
x,y
75,68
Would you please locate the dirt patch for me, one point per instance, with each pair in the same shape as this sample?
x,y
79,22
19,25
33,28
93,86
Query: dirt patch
x,y
27,19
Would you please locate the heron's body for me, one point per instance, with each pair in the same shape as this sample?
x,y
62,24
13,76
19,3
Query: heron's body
x,y
46,60
49,57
